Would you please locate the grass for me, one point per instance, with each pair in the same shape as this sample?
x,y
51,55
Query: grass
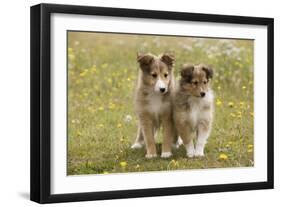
x,y
102,72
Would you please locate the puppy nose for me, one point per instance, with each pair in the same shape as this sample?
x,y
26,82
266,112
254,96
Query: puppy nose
x,y
202,94
162,90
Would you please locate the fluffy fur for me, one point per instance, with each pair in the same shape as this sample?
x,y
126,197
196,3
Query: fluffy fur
x,y
153,102
193,107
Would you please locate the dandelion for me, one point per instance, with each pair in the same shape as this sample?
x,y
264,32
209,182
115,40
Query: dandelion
x,y
250,150
223,156
244,87
100,125
218,102
82,74
93,69
111,106
128,79
123,164
104,65
75,121
119,125
230,104
219,87
109,80
101,108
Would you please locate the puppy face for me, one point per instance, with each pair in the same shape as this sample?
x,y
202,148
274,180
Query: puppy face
x,y
156,71
195,79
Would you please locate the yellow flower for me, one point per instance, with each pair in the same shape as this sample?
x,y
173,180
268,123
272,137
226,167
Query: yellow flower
x,y
244,87
218,102
250,146
100,125
250,150
230,104
104,65
112,106
219,88
123,164
223,156
119,125
101,108
109,80
105,172
93,69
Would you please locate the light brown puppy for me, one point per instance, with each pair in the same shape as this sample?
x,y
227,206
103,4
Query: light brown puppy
x,y
153,102
193,107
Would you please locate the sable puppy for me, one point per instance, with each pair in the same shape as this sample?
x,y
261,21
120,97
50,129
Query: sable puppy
x,y
153,102
193,107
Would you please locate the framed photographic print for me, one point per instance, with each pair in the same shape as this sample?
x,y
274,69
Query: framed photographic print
x,y
133,103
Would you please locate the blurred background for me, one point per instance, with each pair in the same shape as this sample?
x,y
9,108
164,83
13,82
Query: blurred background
x,y
102,72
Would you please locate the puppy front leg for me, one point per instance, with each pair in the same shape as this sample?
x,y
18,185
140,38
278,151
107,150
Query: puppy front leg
x,y
148,135
203,132
185,133
168,136
139,142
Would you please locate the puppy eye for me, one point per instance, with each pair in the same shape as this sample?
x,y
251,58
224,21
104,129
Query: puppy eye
x,y
166,75
205,82
154,75
195,83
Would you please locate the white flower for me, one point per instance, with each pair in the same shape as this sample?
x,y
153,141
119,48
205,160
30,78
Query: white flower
x,y
128,118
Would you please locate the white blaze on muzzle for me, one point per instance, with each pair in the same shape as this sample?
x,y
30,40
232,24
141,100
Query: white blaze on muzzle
x,y
160,86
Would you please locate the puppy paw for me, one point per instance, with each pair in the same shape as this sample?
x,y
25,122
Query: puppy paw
x,y
150,156
199,153
136,145
166,154
190,154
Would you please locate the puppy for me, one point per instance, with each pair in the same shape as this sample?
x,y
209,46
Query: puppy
x,y
193,107
153,102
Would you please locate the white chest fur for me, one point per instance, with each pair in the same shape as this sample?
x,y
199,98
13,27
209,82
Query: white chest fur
x,y
156,104
200,108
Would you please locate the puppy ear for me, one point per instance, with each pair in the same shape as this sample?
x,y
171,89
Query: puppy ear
x,y
187,72
209,71
144,59
168,59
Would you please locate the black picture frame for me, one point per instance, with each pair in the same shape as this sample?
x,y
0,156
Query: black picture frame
x,y
41,99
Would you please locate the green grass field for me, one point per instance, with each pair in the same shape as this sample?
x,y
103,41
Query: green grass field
x,y
102,72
